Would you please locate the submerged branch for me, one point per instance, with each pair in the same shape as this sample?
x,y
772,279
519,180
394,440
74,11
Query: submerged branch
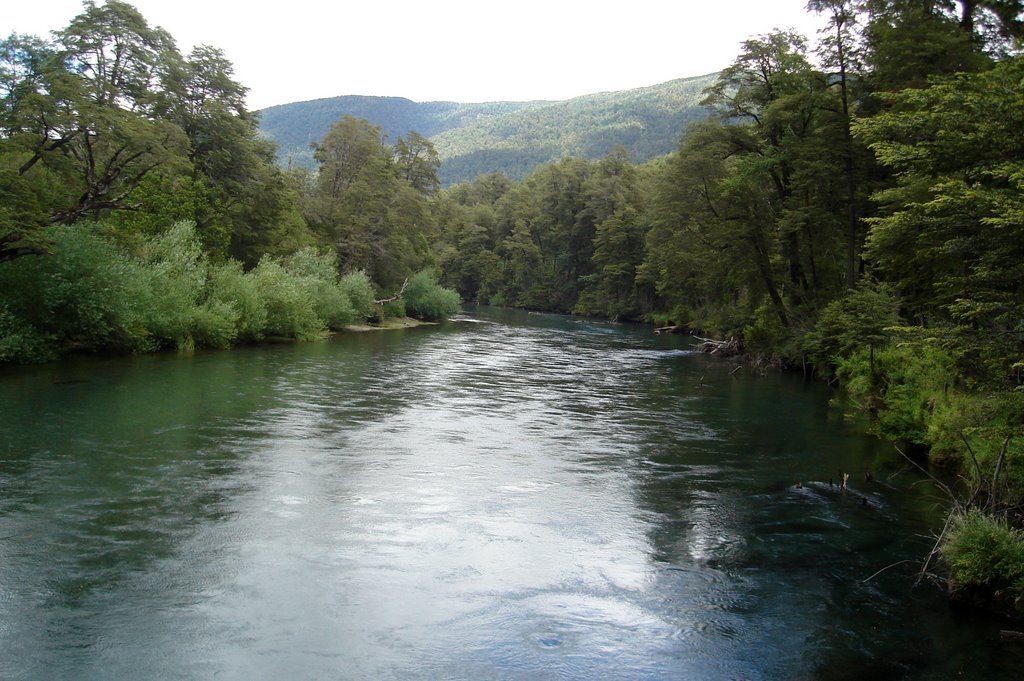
x,y
899,562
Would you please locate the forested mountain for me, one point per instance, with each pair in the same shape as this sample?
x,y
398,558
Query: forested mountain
x,y
511,138
295,127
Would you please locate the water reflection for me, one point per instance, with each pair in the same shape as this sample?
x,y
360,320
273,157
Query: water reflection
x,y
532,497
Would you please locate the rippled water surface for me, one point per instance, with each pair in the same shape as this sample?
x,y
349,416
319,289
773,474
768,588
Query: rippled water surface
x,y
509,496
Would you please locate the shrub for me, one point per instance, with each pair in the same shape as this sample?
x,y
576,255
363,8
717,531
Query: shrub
x,y
174,273
393,309
215,325
426,299
318,274
852,323
985,554
359,290
20,341
84,294
290,311
230,286
766,336
901,385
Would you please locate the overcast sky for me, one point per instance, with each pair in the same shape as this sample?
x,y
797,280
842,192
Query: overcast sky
x,y
455,50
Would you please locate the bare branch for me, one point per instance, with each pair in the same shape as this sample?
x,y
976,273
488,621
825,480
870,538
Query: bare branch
x,y
395,297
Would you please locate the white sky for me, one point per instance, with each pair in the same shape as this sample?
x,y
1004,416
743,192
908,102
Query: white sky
x,y
455,50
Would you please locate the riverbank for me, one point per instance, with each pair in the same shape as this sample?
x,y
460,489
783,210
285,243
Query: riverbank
x,y
964,436
387,324
94,294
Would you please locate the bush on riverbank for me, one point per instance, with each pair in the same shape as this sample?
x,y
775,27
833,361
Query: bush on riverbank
x,y
985,557
428,300
85,294
91,294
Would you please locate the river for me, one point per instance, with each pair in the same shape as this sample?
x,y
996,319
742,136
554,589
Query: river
x,y
508,496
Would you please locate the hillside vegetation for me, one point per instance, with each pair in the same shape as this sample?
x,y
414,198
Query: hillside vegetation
x,y
511,138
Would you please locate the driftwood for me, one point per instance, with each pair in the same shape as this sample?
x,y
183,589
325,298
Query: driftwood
x,y
723,348
670,329
1010,635
395,297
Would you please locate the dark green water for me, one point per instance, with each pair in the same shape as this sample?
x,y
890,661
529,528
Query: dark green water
x,y
510,497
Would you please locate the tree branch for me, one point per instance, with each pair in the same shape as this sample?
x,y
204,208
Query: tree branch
x,y
395,297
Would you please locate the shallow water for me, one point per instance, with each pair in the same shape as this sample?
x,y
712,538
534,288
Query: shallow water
x,y
509,496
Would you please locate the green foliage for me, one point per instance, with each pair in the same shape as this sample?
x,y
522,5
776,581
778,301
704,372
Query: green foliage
x,y
173,276
951,237
393,309
229,286
22,212
857,320
318,273
765,336
20,342
359,290
82,295
362,204
108,122
290,309
985,554
426,299
901,385
981,433
91,295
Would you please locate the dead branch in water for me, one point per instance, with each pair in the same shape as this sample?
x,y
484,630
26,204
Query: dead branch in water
x,y
723,348
899,562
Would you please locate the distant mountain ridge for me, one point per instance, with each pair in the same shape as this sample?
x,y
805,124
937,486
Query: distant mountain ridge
x,y
508,137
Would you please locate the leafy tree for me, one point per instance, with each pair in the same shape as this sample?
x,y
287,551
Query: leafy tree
x,y
351,150
951,236
83,110
909,40
857,320
242,197
417,162
361,204
840,51
615,204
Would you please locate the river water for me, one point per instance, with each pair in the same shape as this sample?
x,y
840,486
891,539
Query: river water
x,y
509,496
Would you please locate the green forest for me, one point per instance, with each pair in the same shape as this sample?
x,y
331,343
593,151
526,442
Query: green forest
x,y
853,208
511,138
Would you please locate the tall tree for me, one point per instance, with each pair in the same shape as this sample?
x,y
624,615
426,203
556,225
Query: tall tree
x,y
951,235
909,40
417,162
364,207
840,52
85,108
615,205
